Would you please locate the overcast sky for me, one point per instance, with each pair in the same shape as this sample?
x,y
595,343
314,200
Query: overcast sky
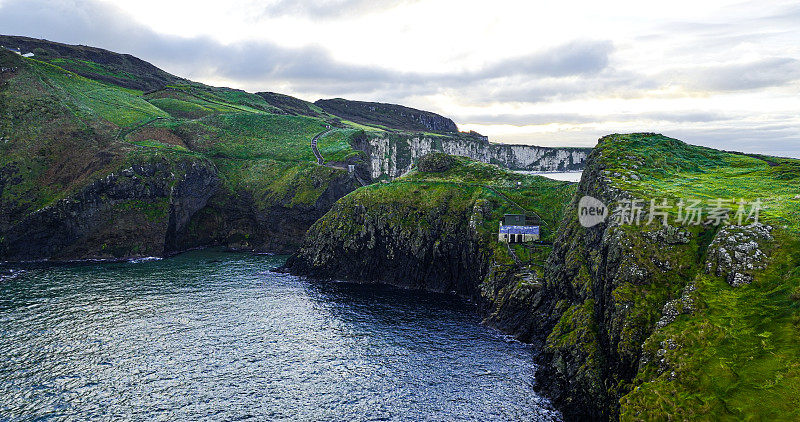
x,y
720,73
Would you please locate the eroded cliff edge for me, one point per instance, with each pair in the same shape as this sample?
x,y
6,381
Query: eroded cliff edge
x,y
635,321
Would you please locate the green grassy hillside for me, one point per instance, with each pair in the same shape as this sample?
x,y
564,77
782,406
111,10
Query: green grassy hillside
x,y
44,102
69,121
95,63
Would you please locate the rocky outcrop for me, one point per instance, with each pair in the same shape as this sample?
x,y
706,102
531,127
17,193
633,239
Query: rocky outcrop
x,y
737,252
238,220
394,155
608,288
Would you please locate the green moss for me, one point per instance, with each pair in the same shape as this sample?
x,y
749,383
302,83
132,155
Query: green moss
x,y
574,343
435,162
737,357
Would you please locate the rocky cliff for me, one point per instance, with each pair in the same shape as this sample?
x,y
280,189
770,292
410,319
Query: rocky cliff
x,y
392,155
142,210
650,321
669,319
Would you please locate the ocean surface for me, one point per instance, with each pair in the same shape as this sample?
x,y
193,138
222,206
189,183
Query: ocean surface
x,y
217,336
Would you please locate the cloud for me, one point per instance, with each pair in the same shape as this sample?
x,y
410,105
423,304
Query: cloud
x,y
574,58
579,118
763,73
328,8
263,65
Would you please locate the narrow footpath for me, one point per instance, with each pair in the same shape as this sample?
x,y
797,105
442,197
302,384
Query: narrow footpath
x,y
314,148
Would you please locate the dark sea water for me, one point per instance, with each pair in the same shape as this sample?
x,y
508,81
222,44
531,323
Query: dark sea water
x,y
217,336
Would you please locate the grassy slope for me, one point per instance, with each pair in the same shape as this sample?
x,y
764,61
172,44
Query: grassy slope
x,y
738,355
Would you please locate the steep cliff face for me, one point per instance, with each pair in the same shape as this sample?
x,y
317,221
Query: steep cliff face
x,y
394,155
444,256
244,219
159,207
605,289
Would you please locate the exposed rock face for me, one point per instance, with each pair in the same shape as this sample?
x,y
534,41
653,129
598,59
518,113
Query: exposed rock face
x,y
737,252
394,155
683,305
236,220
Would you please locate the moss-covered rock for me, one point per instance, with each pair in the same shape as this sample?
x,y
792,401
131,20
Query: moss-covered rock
x,y
435,162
